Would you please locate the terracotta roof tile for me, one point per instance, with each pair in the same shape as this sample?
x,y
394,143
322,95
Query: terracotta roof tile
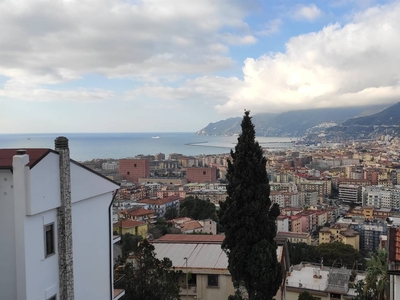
x,y
128,223
35,155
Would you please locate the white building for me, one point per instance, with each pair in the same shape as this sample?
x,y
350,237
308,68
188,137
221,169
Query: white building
x,y
55,227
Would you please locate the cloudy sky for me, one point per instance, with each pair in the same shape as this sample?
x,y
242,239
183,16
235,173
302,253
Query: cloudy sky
x,y
176,65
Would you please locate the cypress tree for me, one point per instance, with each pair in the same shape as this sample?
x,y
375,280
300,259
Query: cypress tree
x,y
249,220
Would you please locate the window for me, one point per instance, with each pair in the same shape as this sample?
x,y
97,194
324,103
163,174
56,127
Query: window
x,y
204,172
53,298
192,279
134,165
212,280
128,173
49,240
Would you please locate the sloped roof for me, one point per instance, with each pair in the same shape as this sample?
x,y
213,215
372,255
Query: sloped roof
x,y
129,223
191,238
35,155
338,281
160,201
199,256
191,225
140,212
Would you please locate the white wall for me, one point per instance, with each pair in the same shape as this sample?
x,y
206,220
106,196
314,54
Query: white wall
x,y
45,185
7,243
86,184
91,246
41,273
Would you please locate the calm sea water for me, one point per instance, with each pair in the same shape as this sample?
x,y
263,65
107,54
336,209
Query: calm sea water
x,y
87,146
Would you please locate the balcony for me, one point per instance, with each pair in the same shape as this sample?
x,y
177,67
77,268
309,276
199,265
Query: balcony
x,y
192,291
118,294
116,238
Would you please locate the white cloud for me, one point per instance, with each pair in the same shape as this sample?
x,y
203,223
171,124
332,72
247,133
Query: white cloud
x,y
52,41
355,64
207,89
270,28
307,12
30,92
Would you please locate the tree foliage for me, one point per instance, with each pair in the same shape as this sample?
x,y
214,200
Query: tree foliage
x,y
362,293
130,243
333,254
305,296
198,209
376,279
171,213
148,278
249,219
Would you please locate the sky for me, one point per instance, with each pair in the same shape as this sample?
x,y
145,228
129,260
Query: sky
x,y
177,65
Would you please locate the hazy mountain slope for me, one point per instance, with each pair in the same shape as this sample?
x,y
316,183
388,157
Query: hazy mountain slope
x,y
292,123
389,116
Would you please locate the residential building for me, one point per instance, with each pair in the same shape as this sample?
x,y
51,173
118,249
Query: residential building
x,y
49,204
350,194
323,283
282,223
340,233
140,214
202,257
131,226
370,233
160,205
295,237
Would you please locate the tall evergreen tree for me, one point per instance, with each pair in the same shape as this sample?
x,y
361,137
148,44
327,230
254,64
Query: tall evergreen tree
x,y
249,220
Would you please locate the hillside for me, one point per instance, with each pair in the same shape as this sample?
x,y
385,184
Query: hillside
x,y
385,122
292,124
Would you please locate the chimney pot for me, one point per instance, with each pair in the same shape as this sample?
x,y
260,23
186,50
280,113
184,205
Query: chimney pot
x,y
21,152
61,142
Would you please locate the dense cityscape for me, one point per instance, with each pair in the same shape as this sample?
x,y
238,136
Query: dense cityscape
x,y
199,150
344,193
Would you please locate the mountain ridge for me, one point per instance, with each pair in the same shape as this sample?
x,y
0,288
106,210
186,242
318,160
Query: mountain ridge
x,y
297,123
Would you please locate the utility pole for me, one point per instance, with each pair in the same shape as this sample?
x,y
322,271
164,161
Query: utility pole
x,y
187,278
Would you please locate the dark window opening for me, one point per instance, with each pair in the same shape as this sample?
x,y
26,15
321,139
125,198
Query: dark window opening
x,y
49,239
192,279
134,165
212,280
204,172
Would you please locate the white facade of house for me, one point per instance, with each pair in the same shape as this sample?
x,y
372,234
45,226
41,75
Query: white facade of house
x,y
29,199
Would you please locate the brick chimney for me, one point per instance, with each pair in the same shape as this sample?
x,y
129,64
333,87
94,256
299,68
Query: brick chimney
x,y
64,219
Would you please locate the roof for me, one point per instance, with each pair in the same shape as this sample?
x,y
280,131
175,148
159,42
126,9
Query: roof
x,y
160,201
338,281
199,255
191,238
35,155
128,223
293,234
140,212
191,225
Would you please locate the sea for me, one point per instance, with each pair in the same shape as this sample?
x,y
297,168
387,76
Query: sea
x,y
88,146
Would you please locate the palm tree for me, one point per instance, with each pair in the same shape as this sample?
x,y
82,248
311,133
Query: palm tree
x,y
376,279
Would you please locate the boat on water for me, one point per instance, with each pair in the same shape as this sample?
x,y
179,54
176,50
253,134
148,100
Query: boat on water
x,y
155,137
